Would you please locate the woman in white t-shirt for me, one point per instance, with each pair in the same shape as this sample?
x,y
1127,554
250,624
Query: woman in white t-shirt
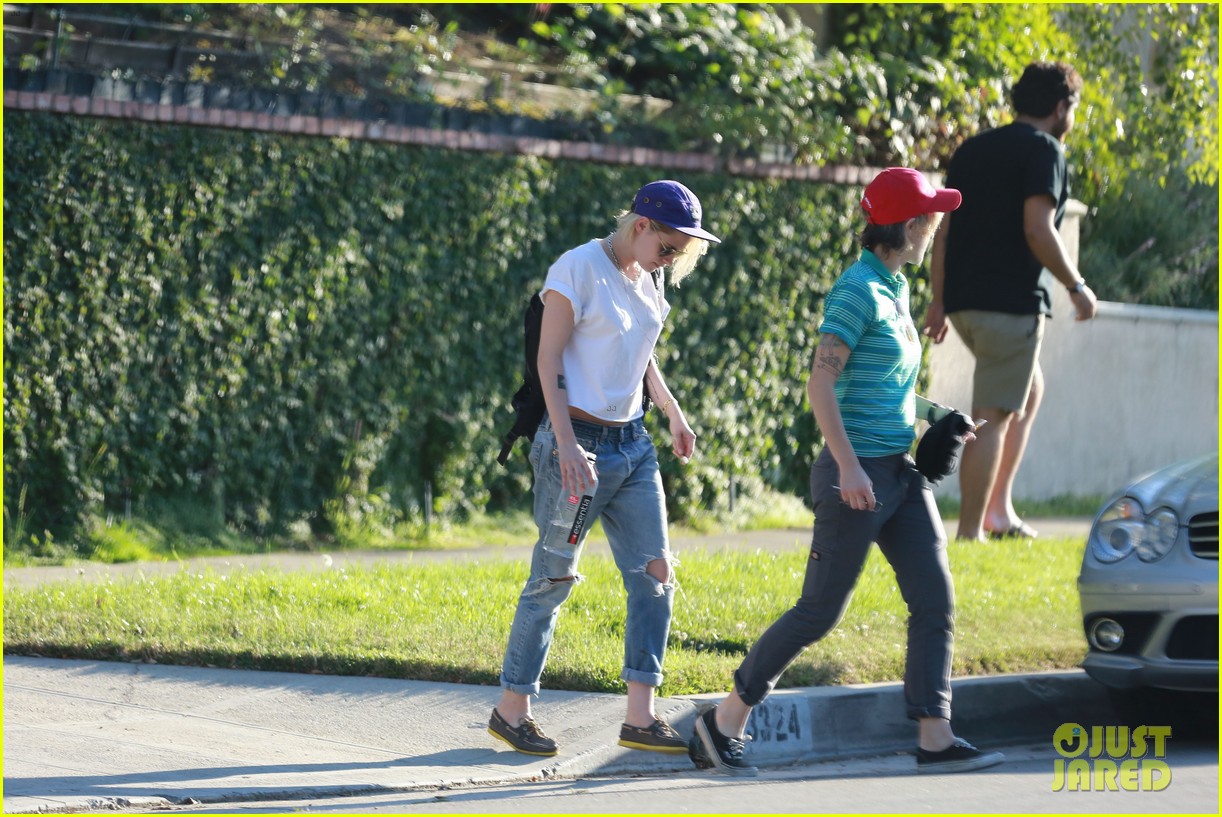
x,y
605,304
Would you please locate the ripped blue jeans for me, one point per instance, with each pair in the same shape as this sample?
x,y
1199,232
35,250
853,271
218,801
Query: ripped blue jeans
x,y
630,503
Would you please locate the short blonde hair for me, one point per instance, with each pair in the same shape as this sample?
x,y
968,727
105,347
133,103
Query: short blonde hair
x,y
684,263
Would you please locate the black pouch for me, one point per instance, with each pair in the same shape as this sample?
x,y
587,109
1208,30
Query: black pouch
x,y
938,453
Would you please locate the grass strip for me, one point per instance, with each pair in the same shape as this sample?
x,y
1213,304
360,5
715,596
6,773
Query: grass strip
x,y
1017,611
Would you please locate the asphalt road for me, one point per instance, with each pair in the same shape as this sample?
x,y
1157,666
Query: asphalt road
x,y
1024,785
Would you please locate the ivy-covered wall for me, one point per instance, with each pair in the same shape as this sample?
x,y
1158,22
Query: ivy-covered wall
x,y
302,328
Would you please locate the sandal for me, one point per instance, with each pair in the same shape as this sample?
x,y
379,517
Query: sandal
x,y
1020,531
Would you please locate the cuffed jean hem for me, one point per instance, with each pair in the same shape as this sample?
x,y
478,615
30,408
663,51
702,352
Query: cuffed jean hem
x,y
521,689
636,676
746,697
915,713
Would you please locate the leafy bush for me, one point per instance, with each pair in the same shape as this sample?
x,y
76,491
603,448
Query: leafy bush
x,y
748,80
736,74
891,84
1139,250
293,330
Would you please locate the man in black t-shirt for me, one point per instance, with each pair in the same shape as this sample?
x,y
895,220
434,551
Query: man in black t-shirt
x,y
987,261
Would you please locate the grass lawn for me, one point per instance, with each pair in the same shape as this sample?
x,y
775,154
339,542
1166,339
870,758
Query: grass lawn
x,y
1017,611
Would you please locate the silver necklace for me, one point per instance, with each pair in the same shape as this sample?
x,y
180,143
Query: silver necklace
x,y
615,259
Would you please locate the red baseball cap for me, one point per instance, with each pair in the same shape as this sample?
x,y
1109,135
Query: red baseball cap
x,y
900,193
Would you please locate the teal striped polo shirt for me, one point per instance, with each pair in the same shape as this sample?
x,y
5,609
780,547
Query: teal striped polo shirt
x,y
868,310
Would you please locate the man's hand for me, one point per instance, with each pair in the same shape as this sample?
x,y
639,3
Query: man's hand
x,y
1084,303
935,323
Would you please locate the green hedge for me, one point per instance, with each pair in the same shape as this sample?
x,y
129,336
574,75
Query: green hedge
x,y
294,328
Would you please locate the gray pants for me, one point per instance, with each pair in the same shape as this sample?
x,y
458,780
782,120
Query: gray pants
x,y
909,532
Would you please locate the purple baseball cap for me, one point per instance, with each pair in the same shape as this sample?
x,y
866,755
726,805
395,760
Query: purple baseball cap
x,y
669,202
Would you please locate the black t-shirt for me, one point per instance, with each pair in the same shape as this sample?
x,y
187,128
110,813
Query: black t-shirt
x,y
988,263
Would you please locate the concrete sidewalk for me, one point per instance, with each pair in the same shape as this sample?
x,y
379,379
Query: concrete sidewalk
x,y
98,736
95,736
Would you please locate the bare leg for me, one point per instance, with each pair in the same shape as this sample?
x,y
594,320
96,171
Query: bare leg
x,y
513,707
935,734
640,704
978,470
731,716
1000,515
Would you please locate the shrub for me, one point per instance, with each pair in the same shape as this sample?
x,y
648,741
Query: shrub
x,y
287,329
1136,249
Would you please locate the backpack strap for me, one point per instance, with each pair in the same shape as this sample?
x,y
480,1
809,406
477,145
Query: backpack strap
x,y
646,400
506,446
527,401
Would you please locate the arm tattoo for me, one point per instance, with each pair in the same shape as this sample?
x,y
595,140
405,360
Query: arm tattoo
x,y
828,355
560,382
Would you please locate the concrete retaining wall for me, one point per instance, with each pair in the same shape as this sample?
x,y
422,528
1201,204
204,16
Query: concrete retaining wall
x,y
1128,392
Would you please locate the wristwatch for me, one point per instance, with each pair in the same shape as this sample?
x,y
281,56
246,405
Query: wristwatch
x,y
1078,287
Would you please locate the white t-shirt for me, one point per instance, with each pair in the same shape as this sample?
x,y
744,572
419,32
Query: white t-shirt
x,y
616,326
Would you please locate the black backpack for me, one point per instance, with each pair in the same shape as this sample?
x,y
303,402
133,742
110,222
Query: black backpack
x,y
528,401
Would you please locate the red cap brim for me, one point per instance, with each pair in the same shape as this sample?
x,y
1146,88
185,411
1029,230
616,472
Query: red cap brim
x,y
945,200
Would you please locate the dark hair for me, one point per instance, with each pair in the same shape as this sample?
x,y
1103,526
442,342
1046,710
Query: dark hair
x,y
891,236
1042,86
887,236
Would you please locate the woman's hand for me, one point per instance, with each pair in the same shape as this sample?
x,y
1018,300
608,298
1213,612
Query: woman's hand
x,y
682,437
576,473
856,490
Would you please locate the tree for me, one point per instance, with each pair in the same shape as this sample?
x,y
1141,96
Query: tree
x,y
1150,101
1147,125
1155,98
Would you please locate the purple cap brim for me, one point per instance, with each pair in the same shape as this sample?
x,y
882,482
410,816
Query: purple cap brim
x,y
694,232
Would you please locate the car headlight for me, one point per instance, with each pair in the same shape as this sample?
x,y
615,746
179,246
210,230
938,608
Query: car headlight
x,y
1124,528
1162,527
1118,530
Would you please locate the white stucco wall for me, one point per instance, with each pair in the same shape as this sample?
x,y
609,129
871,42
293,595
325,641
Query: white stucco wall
x,y
1130,391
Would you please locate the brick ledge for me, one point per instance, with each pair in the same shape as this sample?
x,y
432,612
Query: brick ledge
x,y
374,131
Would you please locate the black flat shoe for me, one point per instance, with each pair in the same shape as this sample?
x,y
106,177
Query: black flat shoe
x,y
718,751
960,756
526,737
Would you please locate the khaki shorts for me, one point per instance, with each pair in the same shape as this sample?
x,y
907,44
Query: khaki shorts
x,y
1007,350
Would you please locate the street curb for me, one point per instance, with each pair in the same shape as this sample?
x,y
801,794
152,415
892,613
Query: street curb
x,y
82,805
791,728
820,724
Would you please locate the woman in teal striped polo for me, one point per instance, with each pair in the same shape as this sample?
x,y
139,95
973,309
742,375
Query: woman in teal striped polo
x,y
866,488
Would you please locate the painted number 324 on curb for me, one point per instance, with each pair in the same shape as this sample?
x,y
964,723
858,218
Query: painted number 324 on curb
x,y
774,723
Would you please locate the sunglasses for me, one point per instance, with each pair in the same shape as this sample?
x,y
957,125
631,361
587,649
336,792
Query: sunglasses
x,y
664,249
878,503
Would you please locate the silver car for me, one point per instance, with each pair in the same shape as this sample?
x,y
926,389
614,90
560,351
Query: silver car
x,y
1149,582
